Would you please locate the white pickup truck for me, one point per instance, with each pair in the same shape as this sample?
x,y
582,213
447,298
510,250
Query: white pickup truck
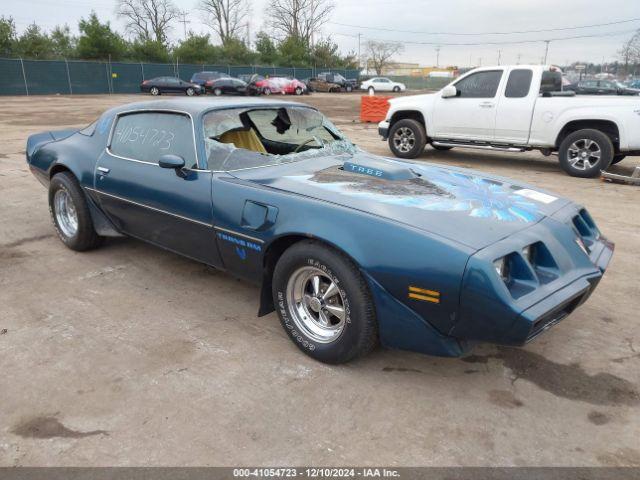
x,y
517,108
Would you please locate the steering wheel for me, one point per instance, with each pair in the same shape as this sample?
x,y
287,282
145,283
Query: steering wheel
x,y
308,140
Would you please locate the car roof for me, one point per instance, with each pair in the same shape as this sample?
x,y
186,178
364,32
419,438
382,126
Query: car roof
x,y
195,106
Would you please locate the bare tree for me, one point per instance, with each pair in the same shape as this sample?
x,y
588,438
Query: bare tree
x,y
630,52
226,17
380,53
298,18
148,19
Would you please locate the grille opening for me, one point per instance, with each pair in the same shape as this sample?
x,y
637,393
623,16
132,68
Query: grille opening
x,y
555,316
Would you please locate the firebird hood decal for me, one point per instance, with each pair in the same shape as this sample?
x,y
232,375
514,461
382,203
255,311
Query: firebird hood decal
x,y
465,206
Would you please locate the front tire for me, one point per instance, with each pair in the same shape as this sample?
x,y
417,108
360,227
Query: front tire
x,y
190,92
267,91
407,138
396,89
324,303
585,153
299,91
217,92
70,213
155,91
371,90
349,89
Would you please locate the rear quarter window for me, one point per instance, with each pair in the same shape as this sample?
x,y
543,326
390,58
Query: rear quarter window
x,y
519,83
149,135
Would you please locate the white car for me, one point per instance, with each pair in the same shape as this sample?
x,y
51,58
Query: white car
x,y
382,84
517,108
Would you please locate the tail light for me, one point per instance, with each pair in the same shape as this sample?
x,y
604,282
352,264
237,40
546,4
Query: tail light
x,y
145,82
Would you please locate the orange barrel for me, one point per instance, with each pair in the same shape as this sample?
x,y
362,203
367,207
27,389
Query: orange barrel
x,y
373,108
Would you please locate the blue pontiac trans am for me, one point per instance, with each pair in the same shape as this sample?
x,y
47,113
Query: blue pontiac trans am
x,y
349,249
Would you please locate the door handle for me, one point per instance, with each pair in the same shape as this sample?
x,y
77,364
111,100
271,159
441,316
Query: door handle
x,y
486,105
103,170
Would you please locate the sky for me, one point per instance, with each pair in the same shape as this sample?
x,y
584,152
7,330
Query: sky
x,y
392,20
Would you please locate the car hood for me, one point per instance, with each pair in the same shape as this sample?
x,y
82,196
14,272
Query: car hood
x,y
467,207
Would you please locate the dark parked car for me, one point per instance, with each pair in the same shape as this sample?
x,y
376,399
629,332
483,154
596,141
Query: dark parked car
x,y
350,249
201,78
159,85
347,84
231,86
602,87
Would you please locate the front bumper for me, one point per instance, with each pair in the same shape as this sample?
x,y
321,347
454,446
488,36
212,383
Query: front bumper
x,y
383,130
496,311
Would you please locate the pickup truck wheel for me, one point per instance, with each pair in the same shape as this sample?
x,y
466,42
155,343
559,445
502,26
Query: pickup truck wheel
x,y
585,152
407,138
324,303
70,213
617,158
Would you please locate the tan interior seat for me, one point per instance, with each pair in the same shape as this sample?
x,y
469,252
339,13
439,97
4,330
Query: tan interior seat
x,y
247,139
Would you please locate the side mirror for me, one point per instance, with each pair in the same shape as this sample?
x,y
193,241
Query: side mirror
x,y
171,161
449,91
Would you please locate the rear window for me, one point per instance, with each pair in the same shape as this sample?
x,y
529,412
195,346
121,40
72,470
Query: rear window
x,y
149,135
551,82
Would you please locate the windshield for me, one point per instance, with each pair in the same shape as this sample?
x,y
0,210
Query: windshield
x,y
260,136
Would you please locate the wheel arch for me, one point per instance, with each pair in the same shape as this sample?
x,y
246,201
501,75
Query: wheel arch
x,y
608,127
272,254
408,114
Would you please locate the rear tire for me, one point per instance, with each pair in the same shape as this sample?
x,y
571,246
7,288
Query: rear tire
x,y
267,91
217,92
407,138
334,328
155,91
585,153
70,213
349,88
371,90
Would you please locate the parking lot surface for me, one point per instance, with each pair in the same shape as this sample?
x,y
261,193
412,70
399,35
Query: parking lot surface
x,y
131,355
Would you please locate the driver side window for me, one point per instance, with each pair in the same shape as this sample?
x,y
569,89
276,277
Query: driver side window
x,y
479,85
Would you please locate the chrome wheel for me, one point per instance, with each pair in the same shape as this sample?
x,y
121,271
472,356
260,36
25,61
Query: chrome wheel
x,y
155,91
65,211
404,139
190,92
316,304
584,154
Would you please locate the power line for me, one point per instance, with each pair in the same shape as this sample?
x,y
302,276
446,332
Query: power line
x,y
618,22
512,42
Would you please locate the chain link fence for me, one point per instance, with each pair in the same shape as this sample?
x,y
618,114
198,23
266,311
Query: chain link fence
x,y
50,77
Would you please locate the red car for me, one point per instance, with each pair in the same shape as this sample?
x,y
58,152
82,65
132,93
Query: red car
x,y
284,85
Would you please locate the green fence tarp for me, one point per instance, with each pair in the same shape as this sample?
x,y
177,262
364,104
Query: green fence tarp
x,y
11,79
93,77
89,77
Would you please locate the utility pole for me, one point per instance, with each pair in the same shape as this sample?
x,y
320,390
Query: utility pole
x,y
184,21
499,56
438,56
546,51
359,66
